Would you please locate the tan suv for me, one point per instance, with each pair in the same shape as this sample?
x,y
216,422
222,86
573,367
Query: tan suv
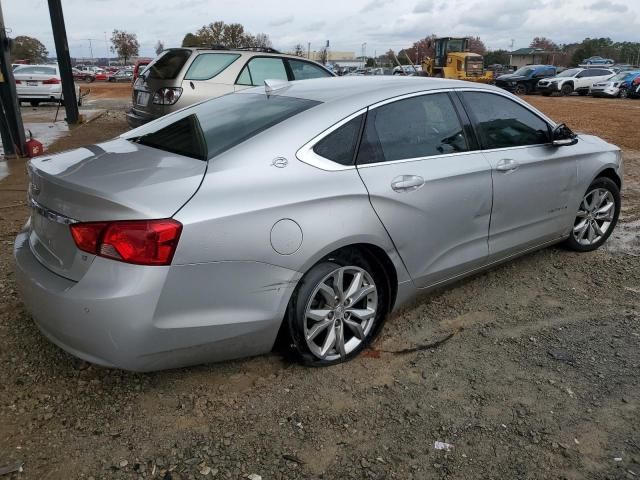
x,y
182,76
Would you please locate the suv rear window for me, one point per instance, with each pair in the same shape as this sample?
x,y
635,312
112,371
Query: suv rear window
x,y
167,66
207,65
210,128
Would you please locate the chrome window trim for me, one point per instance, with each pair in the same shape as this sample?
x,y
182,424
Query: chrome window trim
x,y
306,154
49,214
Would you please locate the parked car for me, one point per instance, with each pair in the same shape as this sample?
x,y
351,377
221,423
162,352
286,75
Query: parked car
x,y
40,83
306,208
182,76
407,70
121,76
634,89
100,75
83,75
616,86
597,61
578,80
525,79
140,65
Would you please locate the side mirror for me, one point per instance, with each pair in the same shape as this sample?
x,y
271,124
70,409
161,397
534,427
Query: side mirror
x,y
562,136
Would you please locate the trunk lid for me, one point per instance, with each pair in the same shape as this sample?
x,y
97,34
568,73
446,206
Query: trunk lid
x,y
116,180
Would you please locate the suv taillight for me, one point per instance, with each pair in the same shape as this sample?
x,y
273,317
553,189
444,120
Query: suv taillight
x,y
142,242
167,96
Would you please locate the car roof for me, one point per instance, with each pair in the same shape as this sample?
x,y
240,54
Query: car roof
x,y
365,90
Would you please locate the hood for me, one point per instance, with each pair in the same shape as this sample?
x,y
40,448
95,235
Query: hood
x,y
510,77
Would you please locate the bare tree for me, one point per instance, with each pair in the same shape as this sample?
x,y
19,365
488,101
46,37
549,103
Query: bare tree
x,y
477,46
212,34
29,49
159,47
124,44
544,43
234,36
261,40
323,55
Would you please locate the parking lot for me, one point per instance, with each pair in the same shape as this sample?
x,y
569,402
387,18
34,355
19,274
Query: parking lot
x,y
528,371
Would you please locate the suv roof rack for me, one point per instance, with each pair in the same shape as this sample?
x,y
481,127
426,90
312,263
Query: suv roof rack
x,y
259,49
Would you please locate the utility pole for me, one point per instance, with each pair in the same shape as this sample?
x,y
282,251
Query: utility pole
x,y
11,128
309,50
90,47
106,49
64,61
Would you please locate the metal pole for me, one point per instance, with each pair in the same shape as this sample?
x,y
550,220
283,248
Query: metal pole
x,y
11,128
64,61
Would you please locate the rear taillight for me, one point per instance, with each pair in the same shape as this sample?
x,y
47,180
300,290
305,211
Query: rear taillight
x,y
51,81
167,96
143,242
18,82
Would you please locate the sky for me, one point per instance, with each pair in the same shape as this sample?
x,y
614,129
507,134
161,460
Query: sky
x,y
381,24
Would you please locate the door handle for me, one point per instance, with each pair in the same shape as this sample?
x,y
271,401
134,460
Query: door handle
x,y
407,183
507,165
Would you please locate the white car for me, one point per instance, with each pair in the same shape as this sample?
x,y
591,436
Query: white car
x,y
40,83
578,80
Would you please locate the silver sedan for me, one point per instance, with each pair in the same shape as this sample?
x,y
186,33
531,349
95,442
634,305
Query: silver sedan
x,y
307,209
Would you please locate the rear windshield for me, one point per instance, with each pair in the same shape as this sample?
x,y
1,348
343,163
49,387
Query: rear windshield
x,y
168,65
210,128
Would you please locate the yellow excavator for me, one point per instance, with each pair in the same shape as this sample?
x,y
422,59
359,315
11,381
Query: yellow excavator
x,y
453,59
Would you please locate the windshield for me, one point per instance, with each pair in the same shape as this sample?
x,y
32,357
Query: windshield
x,y
167,66
524,71
455,45
212,127
570,73
619,77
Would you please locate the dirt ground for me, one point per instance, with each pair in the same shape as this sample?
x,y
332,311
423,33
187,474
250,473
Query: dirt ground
x,y
541,379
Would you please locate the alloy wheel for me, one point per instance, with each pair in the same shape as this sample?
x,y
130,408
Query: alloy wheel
x,y
341,312
595,216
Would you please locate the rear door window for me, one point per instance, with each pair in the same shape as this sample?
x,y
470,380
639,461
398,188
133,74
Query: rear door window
x,y
168,65
305,70
503,123
260,69
415,127
207,65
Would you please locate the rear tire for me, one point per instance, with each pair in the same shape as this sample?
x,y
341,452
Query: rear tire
x,y
520,89
597,216
321,312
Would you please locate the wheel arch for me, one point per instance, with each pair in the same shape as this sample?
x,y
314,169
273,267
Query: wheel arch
x,y
610,173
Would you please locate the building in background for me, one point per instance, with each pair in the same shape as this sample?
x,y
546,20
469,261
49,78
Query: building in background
x,y
532,56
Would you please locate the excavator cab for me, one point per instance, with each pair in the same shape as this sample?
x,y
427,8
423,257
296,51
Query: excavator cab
x,y
446,45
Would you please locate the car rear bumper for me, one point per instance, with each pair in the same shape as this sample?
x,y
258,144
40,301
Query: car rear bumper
x,y
152,318
605,92
135,118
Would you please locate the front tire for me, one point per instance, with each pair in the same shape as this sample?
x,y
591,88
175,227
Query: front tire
x,y
337,309
597,216
567,89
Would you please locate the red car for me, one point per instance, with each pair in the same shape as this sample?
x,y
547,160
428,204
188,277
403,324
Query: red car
x,y
80,76
139,67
